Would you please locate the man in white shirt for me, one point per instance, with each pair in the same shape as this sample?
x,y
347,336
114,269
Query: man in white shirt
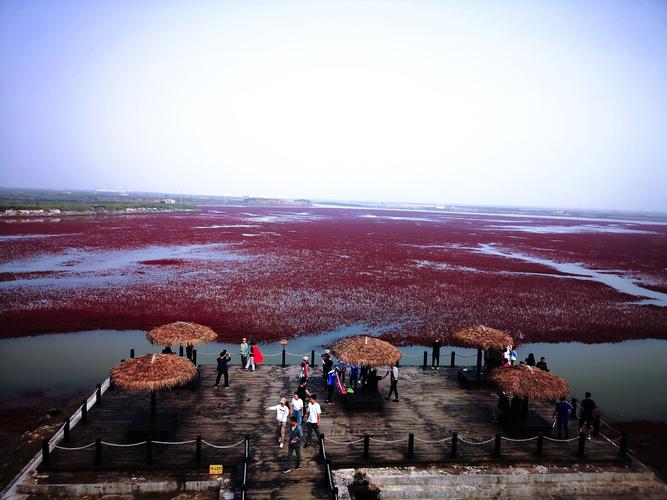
x,y
282,412
297,408
393,387
314,412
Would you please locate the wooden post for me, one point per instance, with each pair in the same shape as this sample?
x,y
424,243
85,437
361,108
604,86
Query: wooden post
x,y
411,445
596,426
573,413
194,356
496,445
312,360
98,395
180,351
66,431
540,444
455,444
479,362
452,361
152,406
149,451
367,440
98,451
425,365
131,353
283,364
198,450
623,449
582,445
321,456
46,458
84,412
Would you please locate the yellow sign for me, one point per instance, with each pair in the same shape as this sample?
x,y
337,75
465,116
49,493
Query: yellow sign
x,y
214,469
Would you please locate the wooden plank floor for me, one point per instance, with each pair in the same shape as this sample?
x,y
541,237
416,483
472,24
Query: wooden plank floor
x,y
432,405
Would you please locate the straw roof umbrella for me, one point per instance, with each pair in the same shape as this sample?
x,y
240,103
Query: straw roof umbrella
x,y
530,382
181,332
483,338
153,372
365,351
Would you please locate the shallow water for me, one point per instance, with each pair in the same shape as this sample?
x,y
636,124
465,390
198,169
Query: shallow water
x,y
627,379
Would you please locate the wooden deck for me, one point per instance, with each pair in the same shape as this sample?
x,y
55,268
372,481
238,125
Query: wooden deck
x,y
432,406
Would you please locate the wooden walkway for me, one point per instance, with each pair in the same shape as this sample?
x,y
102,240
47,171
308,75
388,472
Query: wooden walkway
x,y
432,406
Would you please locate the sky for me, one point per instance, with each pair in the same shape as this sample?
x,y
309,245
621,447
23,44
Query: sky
x,y
522,103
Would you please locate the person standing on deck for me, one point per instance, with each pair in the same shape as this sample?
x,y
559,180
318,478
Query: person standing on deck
x,y
304,368
188,351
542,364
435,355
354,376
530,360
294,445
327,364
562,414
314,412
297,408
331,382
587,414
244,349
282,412
251,356
302,390
223,359
393,387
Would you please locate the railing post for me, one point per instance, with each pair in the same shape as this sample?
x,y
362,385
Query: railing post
x,y
596,426
582,445
98,395
312,359
496,445
149,451
46,458
321,439
98,451
283,364
84,411
131,353
540,444
455,444
194,356
573,413
411,445
367,440
247,446
66,431
623,448
452,361
198,450
425,364
180,351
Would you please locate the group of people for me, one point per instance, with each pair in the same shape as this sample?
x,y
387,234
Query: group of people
x,y
588,412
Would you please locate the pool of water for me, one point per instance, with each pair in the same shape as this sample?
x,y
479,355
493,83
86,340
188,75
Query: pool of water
x,y
626,379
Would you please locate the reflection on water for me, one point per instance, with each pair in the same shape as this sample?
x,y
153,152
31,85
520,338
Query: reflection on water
x,y
578,271
626,379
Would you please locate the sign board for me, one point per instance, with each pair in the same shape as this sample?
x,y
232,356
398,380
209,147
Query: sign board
x,y
283,341
214,470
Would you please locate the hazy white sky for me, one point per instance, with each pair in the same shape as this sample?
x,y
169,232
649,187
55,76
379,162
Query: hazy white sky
x,y
554,103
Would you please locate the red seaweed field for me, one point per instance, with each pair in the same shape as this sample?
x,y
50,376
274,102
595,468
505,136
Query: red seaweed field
x,y
275,272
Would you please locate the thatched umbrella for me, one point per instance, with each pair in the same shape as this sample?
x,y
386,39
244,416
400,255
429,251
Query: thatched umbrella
x,y
365,351
153,372
529,382
181,332
483,338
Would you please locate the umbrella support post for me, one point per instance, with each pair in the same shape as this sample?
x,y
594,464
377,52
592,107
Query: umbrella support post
x,y
194,356
152,406
479,363
180,351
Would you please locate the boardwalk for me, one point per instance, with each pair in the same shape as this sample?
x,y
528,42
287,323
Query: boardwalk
x,y
432,406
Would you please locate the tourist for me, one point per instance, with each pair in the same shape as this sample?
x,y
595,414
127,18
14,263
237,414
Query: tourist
x,y
297,407
251,356
331,383
302,390
304,368
542,364
282,412
393,385
294,445
314,412
562,414
223,359
188,351
244,349
530,360
327,364
506,355
435,355
341,368
513,356
586,415
354,376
